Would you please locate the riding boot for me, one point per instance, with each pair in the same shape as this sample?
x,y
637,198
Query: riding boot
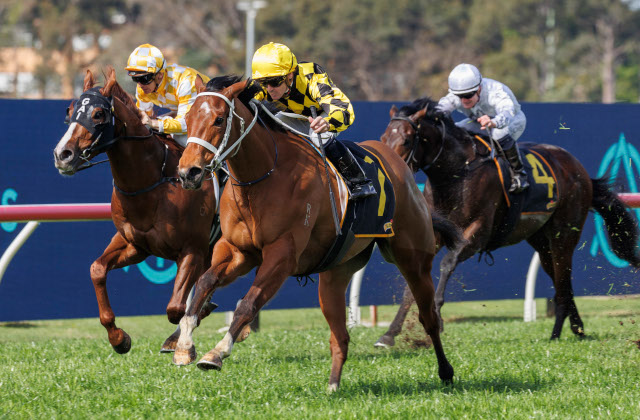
x,y
359,185
519,180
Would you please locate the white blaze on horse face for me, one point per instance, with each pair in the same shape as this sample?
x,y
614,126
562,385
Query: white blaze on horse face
x,y
65,139
394,130
205,107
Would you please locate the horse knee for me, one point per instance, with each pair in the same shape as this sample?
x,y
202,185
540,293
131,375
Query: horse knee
x,y
175,312
98,273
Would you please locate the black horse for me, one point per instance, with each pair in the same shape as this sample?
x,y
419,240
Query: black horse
x,y
466,188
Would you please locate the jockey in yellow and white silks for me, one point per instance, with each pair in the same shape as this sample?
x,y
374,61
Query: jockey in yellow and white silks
x,y
170,86
296,87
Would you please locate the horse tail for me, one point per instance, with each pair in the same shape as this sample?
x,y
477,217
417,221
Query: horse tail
x,y
622,228
447,232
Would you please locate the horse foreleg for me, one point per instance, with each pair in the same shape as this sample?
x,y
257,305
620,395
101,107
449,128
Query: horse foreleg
x,y
119,253
278,263
388,338
227,263
190,266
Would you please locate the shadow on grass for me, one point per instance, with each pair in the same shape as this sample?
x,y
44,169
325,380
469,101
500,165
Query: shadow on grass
x,y
18,324
505,384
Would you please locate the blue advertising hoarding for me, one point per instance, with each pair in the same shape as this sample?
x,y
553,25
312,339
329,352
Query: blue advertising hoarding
x,y
49,277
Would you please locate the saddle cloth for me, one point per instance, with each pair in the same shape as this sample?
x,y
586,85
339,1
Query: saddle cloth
x,y
540,198
370,217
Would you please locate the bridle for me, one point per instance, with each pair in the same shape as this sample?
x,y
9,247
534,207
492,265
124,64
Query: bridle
x,y
416,139
224,150
104,135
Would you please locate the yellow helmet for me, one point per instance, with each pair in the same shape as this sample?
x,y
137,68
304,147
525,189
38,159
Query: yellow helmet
x,y
272,60
145,58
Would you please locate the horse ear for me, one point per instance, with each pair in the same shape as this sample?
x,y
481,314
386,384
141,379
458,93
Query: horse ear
x,y
419,115
393,111
200,86
110,81
89,81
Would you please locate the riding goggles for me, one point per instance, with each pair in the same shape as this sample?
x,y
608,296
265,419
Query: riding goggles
x,y
468,95
272,81
143,79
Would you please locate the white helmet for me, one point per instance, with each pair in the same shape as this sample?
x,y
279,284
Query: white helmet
x,y
464,78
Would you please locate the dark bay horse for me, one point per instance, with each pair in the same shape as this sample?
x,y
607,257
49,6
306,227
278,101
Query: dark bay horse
x,y
152,213
466,189
276,215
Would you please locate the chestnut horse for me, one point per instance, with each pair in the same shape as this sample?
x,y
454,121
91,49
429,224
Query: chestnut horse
x,y
466,189
276,215
152,213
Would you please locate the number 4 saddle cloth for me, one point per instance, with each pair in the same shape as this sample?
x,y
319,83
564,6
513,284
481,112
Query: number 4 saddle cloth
x,y
369,217
539,200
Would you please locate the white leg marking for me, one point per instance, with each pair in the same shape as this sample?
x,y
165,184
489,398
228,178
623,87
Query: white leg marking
x,y
225,346
186,326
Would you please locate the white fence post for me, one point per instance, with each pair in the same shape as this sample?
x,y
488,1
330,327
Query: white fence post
x,y
16,244
530,289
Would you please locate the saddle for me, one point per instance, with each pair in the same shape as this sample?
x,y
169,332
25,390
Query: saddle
x,y
371,217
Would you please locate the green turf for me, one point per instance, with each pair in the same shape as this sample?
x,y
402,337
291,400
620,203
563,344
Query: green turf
x,y
504,369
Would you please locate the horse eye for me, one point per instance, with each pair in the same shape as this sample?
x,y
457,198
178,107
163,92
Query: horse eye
x,y
218,121
99,114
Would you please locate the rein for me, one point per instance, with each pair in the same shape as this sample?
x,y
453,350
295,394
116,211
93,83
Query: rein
x,y
415,141
162,180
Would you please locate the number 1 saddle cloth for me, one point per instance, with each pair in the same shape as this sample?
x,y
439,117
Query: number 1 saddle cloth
x,y
369,217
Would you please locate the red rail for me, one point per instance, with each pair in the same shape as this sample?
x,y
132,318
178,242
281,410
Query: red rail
x,y
102,211
630,199
55,212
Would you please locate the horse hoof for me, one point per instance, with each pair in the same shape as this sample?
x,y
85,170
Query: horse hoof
x,y
182,357
385,342
332,388
125,344
446,375
169,345
209,361
244,334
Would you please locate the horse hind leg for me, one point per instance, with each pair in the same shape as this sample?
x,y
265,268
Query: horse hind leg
x,y
555,260
416,267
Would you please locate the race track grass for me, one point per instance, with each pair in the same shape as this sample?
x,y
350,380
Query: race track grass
x,y
505,369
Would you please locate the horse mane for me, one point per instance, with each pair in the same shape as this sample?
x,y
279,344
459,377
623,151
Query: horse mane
x,y
111,85
434,115
252,88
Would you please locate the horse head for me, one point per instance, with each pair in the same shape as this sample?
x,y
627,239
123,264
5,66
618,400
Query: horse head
x,y
418,132
210,127
93,120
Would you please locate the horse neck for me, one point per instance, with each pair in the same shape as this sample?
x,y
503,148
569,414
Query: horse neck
x,y
257,152
453,159
136,163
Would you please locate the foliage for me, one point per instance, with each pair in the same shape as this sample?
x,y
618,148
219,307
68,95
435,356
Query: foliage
x,y
545,50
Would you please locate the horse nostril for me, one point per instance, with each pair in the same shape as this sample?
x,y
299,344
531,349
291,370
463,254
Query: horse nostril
x,y
65,156
194,173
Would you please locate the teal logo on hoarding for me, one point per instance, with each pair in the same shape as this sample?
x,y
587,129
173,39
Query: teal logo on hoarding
x,y
9,196
621,157
159,274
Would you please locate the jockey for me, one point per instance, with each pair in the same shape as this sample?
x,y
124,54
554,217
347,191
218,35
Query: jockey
x,y
489,105
293,88
168,86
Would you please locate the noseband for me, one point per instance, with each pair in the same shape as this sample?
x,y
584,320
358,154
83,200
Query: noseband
x,y
416,139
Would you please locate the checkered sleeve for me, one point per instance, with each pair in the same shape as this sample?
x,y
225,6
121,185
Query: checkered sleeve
x,y
332,100
142,103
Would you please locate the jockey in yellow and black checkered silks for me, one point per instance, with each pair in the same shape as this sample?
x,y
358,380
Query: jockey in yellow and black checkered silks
x,y
295,87
169,86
